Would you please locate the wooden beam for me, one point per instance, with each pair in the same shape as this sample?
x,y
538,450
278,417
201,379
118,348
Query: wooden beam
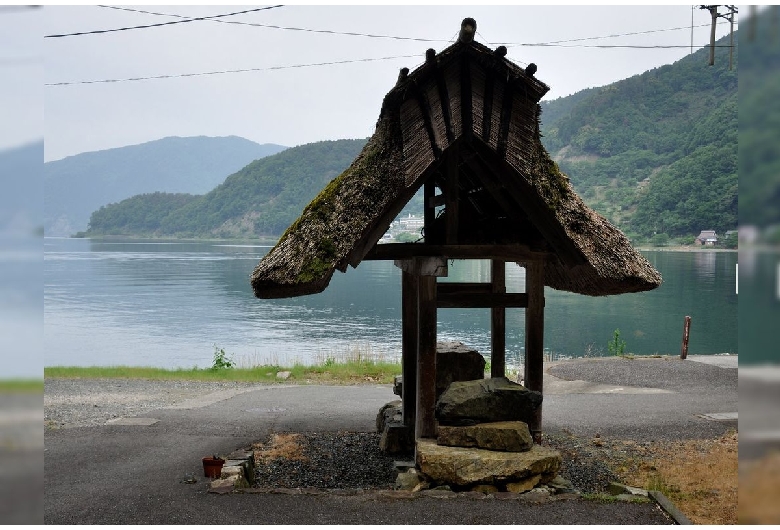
x,y
405,251
524,194
495,190
451,196
425,111
498,320
466,102
505,118
483,300
463,287
487,109
409,344
429,211
426,359
534,339
423,266
444,98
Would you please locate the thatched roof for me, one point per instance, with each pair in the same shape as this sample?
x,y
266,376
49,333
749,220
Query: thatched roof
x,y
471,107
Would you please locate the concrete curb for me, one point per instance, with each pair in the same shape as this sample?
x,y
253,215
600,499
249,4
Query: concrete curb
x,y
668,507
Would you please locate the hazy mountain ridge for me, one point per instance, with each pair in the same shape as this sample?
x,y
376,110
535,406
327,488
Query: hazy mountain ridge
x,y
263,198
76,186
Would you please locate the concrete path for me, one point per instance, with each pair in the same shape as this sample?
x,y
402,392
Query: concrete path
x,y
112,474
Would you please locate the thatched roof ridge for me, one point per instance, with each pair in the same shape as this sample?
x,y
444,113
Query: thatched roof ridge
x,y
422,117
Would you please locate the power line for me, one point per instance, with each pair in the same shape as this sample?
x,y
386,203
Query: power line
x,y
218,72
634,46
395,37
184,21
286,28
550,43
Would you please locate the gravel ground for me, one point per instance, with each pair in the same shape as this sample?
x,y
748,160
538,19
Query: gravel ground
x,y
668,373
85,402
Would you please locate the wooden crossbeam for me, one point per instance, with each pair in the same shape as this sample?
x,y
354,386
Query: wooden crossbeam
x,y
402,251
485,300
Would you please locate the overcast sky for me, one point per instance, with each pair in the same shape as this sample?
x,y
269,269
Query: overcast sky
x,y
293,106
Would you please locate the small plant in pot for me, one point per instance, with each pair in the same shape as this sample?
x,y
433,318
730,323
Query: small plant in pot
x,y
212,466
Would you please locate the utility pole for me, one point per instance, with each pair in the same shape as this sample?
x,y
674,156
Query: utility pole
x,y
732,10
714,13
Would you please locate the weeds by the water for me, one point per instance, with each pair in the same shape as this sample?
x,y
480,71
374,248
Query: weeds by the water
x,y
363,371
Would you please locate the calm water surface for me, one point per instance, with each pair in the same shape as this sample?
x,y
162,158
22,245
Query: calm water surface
x,y
168,303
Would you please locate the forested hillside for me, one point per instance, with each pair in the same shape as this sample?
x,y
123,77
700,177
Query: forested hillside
x,y
263,198
655,153
76,186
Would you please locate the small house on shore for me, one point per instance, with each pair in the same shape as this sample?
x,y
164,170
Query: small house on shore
x,y
707,238
464,127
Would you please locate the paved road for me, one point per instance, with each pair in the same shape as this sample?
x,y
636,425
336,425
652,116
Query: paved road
x,y
113,474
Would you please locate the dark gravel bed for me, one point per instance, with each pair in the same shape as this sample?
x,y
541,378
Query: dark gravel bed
x,y
352,460
333,460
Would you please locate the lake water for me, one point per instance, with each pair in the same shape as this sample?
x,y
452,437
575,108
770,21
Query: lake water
x,y
167,304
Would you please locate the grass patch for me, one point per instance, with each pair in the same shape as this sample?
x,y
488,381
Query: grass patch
x,y
26,386
330,371
698,476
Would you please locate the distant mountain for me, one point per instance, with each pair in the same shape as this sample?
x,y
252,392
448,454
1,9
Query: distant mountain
x,y
263,198
655,153
21,202
76,186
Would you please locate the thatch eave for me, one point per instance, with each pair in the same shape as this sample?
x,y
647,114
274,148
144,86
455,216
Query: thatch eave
x,y
423,118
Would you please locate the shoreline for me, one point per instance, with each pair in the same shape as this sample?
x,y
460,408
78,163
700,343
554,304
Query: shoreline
x,y
272,240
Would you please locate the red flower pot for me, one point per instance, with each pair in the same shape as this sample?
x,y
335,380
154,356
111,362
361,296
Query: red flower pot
x,y
212,467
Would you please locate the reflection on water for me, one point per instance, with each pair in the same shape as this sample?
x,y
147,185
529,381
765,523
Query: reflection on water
x,y
168,303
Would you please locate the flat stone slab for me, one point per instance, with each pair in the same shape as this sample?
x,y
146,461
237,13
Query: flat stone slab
x,y
464,466
142,422
512,436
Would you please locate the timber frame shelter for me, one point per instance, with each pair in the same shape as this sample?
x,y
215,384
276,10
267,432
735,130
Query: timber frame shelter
x,y
464,126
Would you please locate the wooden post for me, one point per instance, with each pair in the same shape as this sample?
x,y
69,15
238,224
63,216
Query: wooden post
x,y
451,196
409,340
714,12
498,321
686,333
534,338
731,37
426,359
429,210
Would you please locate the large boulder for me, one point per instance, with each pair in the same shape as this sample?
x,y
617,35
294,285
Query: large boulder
x,y
469,466
486,400
457,362
389,412
454,362
512,436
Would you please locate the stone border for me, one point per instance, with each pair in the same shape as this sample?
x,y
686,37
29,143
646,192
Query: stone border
x,y
238,472
667,506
